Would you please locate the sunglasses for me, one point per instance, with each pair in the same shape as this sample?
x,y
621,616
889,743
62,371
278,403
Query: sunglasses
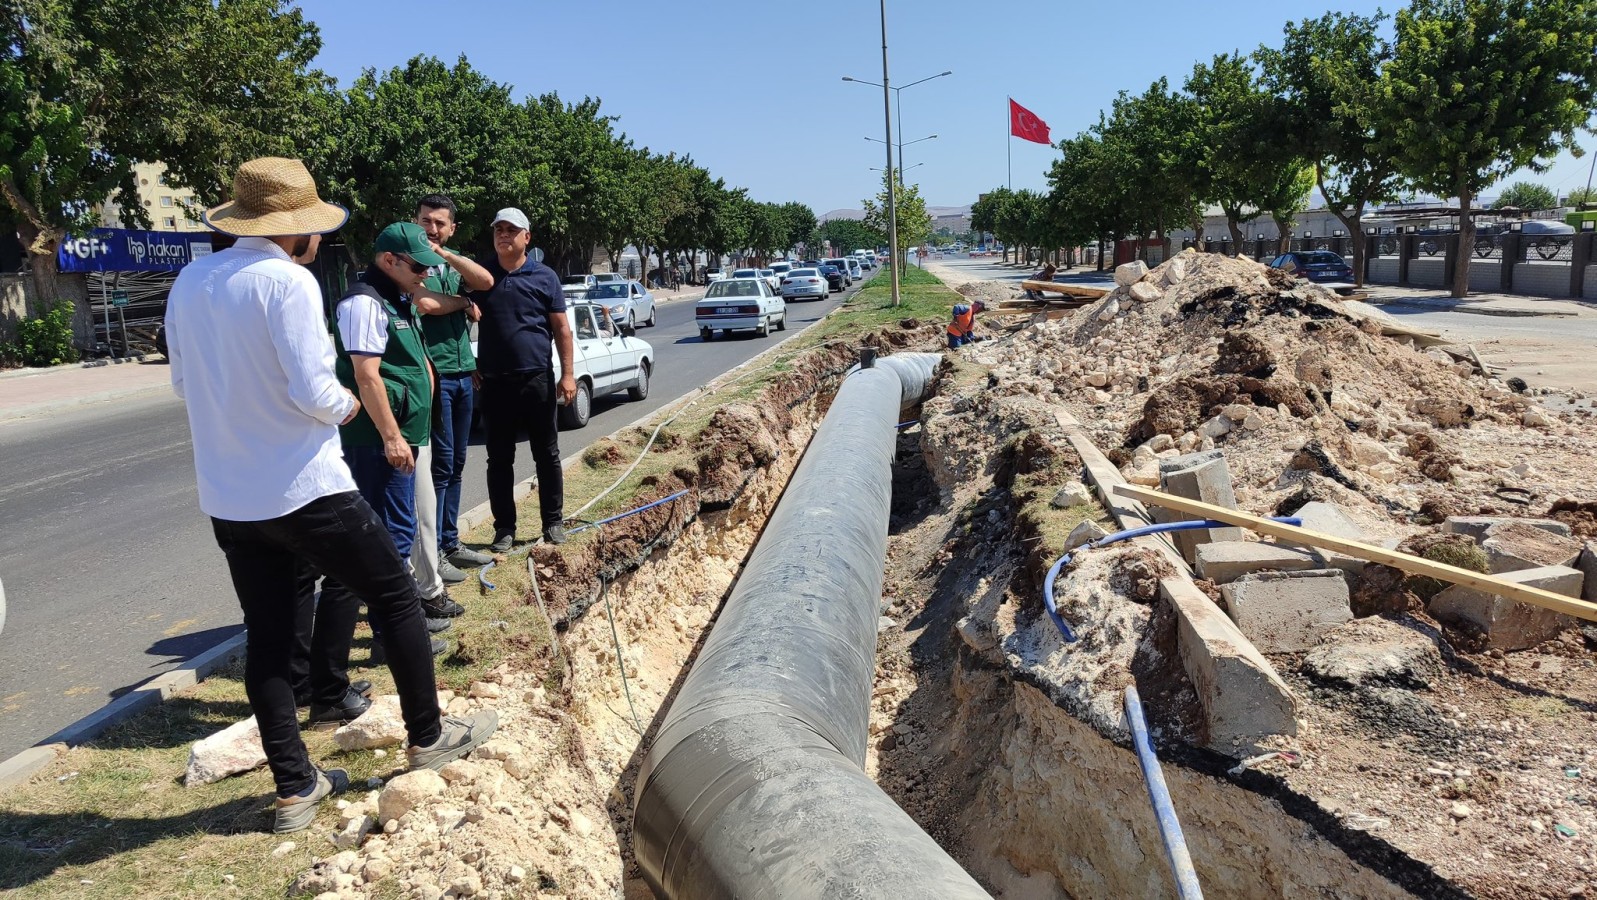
x,y
415,267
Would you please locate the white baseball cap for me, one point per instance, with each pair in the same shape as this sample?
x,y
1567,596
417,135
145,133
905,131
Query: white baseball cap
x,y
514,216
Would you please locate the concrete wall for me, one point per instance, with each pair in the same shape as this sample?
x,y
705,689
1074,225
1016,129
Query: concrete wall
x,y
1485,275
1383,270
1427,271
1542,279
1590,289
1537,279
17,302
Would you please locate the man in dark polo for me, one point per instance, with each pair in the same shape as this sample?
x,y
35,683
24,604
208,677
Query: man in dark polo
x,y
523,324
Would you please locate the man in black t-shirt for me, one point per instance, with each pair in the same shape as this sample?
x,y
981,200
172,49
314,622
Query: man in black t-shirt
x,y
523,324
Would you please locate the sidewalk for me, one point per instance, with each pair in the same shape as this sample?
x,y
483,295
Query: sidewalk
x,y
26,393
1480,303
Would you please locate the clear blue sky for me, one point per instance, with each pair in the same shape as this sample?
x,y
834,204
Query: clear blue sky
x,y
754,92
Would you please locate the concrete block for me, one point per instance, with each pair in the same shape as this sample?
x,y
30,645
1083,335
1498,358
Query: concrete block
x,y
1507,624
1475,526
23,766
1514,546
1588,565
1328,518
1283,612
1225,561
1197,476
1242,697
1128,274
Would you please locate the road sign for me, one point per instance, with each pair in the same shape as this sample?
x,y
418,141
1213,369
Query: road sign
x,y
119,298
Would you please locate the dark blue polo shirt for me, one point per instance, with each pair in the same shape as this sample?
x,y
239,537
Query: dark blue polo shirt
x,y
514,335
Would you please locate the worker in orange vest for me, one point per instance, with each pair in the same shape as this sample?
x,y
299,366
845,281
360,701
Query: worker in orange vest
x,y
962,329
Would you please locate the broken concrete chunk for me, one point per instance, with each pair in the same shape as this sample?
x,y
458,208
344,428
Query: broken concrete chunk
x,y
1073,494
405,792
1242,697
1084,534
1109,310
1588,565
382,725
1128,274
1507,624
1197,476
1283,612
1328,518
1225,561
1376,650
1217,427
1143,292
231,751
1476,526
1512,546
1176,271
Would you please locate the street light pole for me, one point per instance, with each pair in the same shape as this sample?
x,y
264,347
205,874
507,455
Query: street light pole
x,y
892,186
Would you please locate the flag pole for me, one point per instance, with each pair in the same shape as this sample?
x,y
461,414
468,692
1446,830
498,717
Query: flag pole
x,y
1009,144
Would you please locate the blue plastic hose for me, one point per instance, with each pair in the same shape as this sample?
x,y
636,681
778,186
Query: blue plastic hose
x,y
1175,842
1128,534
631,512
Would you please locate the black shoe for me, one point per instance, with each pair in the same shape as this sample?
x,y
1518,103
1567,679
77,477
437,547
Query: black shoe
x,y
362,687
503,541
554,534
439,646
346,710
436,625
465,558
441,607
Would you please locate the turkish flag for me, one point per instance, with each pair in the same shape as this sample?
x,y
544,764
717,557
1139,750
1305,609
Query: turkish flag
x,y
1024,124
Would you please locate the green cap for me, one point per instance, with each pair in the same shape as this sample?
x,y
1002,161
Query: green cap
x,y
408,238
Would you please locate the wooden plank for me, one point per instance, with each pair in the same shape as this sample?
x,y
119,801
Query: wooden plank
x,y
1105,477
1069,290
1414,565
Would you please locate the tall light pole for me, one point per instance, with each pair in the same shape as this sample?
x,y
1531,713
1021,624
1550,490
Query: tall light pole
x,y
892,180
898,94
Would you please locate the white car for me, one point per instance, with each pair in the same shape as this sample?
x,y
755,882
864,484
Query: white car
x,y
740,304
607,359
781,269
855,270
842,266
772,279
575,287
627,301
805,284
607,277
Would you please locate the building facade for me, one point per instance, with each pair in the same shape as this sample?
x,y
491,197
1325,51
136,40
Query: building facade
x,y
169,207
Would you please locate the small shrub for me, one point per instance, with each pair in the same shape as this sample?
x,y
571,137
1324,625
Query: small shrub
x,y
46,340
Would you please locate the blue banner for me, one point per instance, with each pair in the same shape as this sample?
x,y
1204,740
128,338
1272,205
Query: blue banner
x,y
125,250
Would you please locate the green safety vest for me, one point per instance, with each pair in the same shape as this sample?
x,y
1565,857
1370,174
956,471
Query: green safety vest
x,y
405,379
448,336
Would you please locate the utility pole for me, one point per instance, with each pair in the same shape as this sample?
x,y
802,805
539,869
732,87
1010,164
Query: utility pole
x,y
892,179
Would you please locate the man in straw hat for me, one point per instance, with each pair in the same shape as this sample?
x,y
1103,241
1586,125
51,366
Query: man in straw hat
x,y
252,360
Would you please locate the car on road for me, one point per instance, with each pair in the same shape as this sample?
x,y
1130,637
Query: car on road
x,y
855,270
608,357
627,301
866,260
842,266
772,279
836,279
805,284
782,268
740,304
1319,266
711,276
575,287
606,277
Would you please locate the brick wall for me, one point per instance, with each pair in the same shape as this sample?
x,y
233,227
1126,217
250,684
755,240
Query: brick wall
x,y
1542,279
1383,270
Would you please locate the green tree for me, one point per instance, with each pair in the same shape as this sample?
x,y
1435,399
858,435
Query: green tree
x,y
1477,89
1581,196
1252,169
1526,195
89,88
1327,75
799,222
913,222
845,236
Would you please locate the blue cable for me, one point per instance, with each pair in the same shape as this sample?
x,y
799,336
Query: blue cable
x,y
1128,534
630,512
482,576
1175,842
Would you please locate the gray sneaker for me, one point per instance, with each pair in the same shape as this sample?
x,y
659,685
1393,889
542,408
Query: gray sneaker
x,y
458,735
297,813
436,625
503,541
465,558
449,573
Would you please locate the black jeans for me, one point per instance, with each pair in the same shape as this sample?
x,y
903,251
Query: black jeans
x,y
511,404
273,564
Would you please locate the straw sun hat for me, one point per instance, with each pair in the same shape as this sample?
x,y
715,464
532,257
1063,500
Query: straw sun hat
x,y
275,197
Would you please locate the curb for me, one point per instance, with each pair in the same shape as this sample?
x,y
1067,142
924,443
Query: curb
x,y
21,767
88,364
55,406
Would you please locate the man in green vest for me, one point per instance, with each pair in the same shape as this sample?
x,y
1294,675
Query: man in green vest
x,y
446,325
382,357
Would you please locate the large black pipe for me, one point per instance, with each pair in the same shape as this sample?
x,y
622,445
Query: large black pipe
x,y
755,785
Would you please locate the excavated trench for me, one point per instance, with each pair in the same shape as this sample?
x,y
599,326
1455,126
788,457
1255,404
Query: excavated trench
x,y
1034,797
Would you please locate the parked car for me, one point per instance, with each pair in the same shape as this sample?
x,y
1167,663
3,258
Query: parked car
x,y
855,270
627,301
1315,265
711,276
575,287
836,280
842,266
740,304
608,357
805,284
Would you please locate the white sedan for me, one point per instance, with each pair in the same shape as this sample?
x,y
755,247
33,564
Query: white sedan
x,y
805,284
740,304
627,301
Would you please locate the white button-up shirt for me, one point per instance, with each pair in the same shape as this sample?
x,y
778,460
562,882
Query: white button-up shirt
x,y
252,359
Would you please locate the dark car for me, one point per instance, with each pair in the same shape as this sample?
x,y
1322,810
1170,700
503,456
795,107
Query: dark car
x,y
835,279
1314,265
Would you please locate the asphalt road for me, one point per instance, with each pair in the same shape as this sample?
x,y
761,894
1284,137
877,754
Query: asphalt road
x,y
111,572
